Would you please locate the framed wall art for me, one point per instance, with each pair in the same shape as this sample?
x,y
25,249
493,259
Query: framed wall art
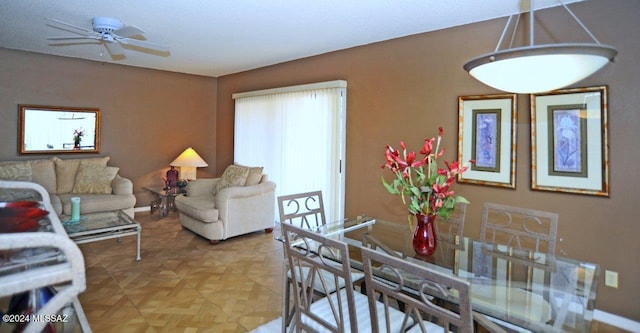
x,y
487,135
569,141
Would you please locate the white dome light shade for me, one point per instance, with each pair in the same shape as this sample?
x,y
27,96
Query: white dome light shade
x,y
540,68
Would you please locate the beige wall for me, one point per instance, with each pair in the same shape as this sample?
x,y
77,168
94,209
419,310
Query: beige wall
x,y
404,89
401,89
148,117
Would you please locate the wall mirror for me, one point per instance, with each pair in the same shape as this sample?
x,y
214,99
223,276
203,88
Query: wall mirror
x,y
58,130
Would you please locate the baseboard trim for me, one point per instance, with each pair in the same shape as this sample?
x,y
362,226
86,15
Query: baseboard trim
x,y
617,321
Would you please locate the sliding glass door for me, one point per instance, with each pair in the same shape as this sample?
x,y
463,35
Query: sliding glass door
x,y
298,134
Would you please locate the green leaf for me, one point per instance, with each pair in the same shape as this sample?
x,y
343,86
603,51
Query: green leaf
x,y
390,189
461,199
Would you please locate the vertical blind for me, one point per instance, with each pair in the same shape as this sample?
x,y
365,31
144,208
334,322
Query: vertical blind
x,y
298,136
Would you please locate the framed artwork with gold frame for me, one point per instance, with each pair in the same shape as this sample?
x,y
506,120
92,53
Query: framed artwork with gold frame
x,y
487,135
569,141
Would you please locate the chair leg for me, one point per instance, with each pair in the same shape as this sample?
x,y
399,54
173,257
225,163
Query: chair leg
x,y
287,311
268,230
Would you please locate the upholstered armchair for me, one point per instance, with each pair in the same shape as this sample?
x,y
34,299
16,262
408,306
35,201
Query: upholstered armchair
x,y
240,202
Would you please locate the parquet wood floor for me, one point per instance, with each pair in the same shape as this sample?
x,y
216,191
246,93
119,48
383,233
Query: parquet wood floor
x,y
182,283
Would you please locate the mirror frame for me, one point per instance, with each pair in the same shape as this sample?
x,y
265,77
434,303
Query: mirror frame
x,y
22,110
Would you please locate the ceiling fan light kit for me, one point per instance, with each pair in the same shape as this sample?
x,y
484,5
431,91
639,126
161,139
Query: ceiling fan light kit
x,y
539,68
112,33
106,24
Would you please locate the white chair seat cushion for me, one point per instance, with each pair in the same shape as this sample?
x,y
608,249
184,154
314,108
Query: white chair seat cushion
x,y
323,310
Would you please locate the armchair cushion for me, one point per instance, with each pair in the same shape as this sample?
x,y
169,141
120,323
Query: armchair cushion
x,y
198,187
199,207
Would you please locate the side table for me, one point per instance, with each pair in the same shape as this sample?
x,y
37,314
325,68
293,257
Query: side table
x,y
165,199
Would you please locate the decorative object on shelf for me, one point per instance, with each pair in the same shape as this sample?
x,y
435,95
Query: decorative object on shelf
x,y
569,141
424,188
172,178
487,135
77,137
539,68
188,161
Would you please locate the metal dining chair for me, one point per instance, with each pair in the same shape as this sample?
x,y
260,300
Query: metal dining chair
x,y
437,302
342,310
522,242
305,210
520,228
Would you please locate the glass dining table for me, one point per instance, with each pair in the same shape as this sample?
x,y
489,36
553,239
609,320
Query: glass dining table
x,y
535,291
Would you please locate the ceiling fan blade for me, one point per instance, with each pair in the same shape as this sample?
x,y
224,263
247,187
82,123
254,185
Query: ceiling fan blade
x,y
129,31
91,32
75,37
114,48
144,44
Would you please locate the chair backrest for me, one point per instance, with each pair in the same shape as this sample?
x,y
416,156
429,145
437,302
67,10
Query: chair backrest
x,y
449,229
418,288
519,228
305,210
312,256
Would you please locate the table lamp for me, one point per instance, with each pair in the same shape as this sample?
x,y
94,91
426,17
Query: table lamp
x,y
188,161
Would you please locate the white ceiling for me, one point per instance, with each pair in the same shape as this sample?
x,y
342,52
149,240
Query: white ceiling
x,y
216,37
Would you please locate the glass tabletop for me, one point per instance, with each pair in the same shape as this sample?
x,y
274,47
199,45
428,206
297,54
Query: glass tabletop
x,y
101,221
536,291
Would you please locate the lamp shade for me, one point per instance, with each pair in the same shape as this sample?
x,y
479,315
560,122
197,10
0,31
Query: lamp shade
x,y
189,157
540,68
188,161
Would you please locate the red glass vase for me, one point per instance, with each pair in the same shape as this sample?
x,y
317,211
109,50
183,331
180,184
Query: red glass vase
x,y
424,236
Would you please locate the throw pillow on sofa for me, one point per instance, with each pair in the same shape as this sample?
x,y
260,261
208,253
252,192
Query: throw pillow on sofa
x,y
254,176
15,171
233,176
66,171
43,172
94,179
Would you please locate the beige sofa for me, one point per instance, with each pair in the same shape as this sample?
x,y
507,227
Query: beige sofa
x,y
240,202
98,186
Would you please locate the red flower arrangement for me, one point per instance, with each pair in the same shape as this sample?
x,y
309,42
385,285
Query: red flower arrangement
x,y
427,187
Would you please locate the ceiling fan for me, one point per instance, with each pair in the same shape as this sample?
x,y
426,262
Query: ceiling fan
x,y
112,33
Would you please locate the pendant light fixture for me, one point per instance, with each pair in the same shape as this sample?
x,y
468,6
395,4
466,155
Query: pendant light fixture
x,y
539,68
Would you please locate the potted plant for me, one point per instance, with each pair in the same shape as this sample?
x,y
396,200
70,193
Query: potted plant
x,y
424,187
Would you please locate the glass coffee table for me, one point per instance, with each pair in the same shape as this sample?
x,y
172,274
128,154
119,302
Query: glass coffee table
x,y
95,227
